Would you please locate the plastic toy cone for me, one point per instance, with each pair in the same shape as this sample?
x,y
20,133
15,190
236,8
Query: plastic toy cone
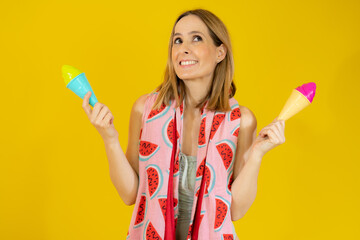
x,y
77,82
295,103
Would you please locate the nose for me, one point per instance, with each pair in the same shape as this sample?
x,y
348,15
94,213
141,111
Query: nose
x,y
185,48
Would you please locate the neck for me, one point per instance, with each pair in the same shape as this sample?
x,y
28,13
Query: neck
x,y
196,89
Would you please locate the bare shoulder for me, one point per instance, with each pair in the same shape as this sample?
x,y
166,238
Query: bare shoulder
x,y
139,104
248,118
246,137
135,125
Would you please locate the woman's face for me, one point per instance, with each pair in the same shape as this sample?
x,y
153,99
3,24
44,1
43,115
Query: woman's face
x,y
194,54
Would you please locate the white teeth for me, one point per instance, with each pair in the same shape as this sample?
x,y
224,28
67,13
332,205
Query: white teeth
x,y
187,63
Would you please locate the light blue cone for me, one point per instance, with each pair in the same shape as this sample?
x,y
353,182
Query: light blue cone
x,y
80,86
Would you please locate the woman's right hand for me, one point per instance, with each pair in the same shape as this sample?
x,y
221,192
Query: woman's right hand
x,y
102,119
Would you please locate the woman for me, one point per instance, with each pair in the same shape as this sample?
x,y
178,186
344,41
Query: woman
x,y
198,149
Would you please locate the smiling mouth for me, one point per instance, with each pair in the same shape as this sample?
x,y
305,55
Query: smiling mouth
x,y
187,63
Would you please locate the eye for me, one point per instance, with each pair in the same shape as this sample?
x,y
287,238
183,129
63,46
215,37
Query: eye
x,y
197,36
176,40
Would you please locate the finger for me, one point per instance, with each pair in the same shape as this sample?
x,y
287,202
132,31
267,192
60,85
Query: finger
x,y
108,120
272,123
282,123
283,128
85,104
277,132
276,120
261,133
280,134
270,132
99,119
273,137
95,111
280,127
264,129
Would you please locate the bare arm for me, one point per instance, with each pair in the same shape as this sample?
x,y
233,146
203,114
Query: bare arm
x,y
123,168
246,167
122,175
249,154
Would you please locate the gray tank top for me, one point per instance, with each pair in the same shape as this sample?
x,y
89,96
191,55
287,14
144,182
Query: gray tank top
x,y
187,179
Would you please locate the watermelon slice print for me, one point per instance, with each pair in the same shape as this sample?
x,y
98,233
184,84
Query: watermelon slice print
x,y
154,179
150,232
227,237
175,203
218,119
157,113
167,132
127,235
147,150
141,212
235,112
199,171
210,178
222,208
176,167
226,149
201,140
235,131
162,202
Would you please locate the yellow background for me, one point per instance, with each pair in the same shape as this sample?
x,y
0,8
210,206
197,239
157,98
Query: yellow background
x,y
54,176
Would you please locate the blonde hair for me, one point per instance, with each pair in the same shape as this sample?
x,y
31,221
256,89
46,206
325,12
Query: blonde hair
x,y
222,87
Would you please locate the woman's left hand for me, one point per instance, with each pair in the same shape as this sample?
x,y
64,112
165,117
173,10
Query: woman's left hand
x,y
269,137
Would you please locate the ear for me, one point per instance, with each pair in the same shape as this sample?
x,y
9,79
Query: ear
x,y
220,53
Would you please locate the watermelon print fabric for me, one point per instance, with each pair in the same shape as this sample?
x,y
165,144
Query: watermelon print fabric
x,y
217,144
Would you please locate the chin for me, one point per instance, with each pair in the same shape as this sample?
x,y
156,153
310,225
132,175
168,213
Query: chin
x,y
188,76
185,77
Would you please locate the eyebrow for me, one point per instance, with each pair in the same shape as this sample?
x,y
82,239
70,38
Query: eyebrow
x,y
192,32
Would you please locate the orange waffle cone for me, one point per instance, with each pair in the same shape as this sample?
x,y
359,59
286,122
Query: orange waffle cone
x,y
295,103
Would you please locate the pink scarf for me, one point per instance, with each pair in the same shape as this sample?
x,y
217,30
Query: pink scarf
x,y
156,207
